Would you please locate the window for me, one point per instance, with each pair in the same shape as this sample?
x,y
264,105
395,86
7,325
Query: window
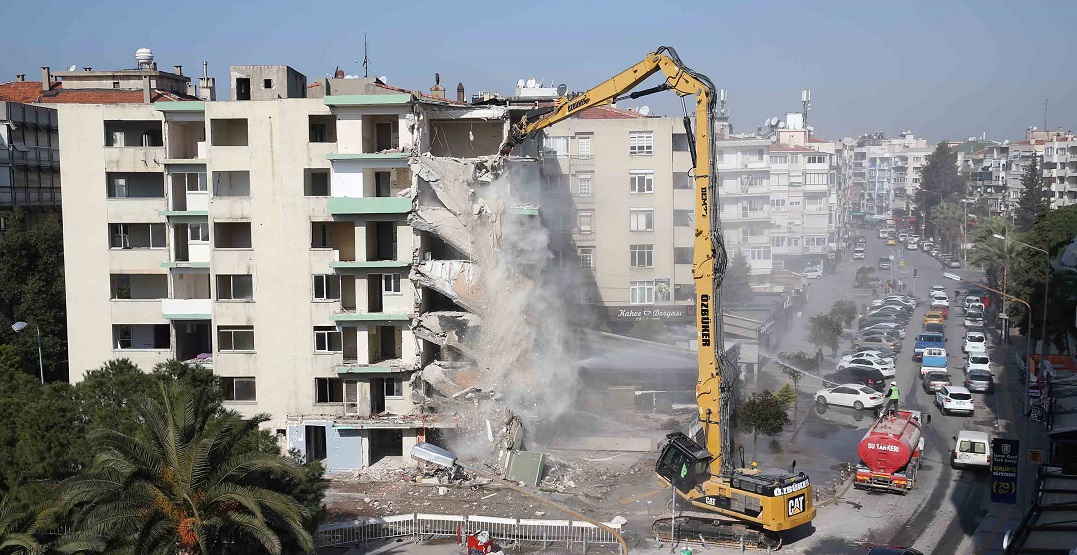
x,y
326,287
815,179
115,84
815,241
815,159
235,287
198,233
328,339
267,83
641,142
684,218
755,230
238,389
641,220
587,257
778,240
641,256
683,255
394,388
329,390
235,338
641,292
719,157
774,159
196,182
117,187
777,204
759,253
641,181
794,158
583,146
555,146
680,142
583,184
316,183
586,220
137,236
390,284
141,336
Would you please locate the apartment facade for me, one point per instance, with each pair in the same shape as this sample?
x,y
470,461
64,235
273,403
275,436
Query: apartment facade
x,y
631,211
29,158
267,240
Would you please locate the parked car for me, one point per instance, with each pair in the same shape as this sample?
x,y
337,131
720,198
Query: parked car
x,y
976,328
847,360
953,263
889,335
903,235
935,380
899,313
926,246
884,354
891,240
863,375
888,326
975,342
978,361
854,395
911,244
876,341
861,240
935,252
905,300
980,381
812,273
888,369
954,398
971,449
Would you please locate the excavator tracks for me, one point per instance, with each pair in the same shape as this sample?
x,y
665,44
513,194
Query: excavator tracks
x,y
707,529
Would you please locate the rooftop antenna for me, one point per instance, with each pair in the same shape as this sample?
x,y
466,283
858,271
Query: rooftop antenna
x,y
366,58
805,102
1045,114
722,103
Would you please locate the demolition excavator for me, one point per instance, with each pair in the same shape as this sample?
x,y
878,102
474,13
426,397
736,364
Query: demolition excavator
x,y
717,503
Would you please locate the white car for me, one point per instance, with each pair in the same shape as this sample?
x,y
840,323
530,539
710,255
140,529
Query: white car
x,y
974,318
975,342
974,306
954,398
882,234
938,288
870,353
971,449
854,395
888,369
977,362
900,299
911,245
859,253
812,273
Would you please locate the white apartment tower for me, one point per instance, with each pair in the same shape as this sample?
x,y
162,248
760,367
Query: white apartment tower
x,y
267,239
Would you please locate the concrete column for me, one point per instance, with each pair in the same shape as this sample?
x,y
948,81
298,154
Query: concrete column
x,y
362,337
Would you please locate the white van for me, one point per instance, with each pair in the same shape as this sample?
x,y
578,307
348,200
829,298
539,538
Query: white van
x,y
971,449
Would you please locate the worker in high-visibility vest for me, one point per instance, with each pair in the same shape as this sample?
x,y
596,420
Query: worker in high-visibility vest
x,y
892,396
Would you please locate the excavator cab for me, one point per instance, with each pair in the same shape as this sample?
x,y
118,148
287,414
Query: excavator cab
x,y
683,462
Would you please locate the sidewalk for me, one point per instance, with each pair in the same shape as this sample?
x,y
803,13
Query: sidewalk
x,y
1010,394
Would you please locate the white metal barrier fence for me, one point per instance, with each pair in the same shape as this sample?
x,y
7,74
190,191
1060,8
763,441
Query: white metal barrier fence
x,y
422,527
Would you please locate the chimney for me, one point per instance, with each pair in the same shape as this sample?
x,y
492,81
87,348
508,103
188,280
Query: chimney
x,y
178,70
46,78
460,93
146,89
437,90
20,77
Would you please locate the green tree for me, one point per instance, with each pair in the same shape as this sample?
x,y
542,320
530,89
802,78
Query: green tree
x,y
32,290
824,331
939,181
844,311
736,285
109,395
1033,202
794,365
762,414
787,396
862,275
180,485
948,219
1053,232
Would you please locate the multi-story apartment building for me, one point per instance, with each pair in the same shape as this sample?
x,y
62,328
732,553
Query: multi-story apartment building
x,y
886,173
633,212
1060,169
267,239
779,198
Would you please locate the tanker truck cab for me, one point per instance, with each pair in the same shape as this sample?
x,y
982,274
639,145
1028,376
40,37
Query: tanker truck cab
x,y
971,450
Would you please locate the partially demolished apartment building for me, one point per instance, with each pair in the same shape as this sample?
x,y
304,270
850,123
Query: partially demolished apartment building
x,y
292,239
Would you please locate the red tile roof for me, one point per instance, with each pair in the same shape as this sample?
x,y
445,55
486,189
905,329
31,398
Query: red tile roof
x,y
814,140
422,96
30,92
785,148
21,91
609,112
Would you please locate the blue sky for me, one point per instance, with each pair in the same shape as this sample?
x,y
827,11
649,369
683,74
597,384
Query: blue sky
x,y
944,69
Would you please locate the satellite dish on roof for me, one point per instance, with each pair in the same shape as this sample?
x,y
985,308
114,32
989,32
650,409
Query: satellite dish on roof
x,y
531,83
520,84
73,67
562,89
644,110
781,124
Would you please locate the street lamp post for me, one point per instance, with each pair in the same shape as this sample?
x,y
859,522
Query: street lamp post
x,y
1046,289
19,326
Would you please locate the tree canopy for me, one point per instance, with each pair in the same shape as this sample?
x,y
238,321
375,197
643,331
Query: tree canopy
x,y
824,330
762,414
939,181
32,290
1033,203
736,285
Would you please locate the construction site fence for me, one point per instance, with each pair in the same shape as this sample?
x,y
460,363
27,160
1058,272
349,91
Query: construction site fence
x,y
510,532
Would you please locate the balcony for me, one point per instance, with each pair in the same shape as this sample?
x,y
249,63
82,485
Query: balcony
x,y
186,309
136,311
134,158
346,315
338,206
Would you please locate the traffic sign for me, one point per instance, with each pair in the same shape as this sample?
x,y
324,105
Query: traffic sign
x,y
1004,461
1037,415
902,263
1035,456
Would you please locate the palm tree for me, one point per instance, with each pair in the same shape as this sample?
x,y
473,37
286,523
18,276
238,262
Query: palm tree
x,y
180,486
18,525
948,220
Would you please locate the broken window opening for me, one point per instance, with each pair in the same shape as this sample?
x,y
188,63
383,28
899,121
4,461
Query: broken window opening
x,y
237,287
238,389
243,88
329,390
328,339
